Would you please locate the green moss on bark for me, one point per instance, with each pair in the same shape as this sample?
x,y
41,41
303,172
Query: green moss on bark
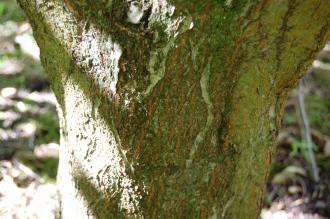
x,y
203,85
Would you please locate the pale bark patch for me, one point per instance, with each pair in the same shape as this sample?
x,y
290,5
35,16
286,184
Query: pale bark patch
x,y
92,146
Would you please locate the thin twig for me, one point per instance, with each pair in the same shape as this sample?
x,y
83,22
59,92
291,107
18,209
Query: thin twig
x,y
307,132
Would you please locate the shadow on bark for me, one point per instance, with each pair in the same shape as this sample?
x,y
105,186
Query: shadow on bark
x,y
98,204
101,204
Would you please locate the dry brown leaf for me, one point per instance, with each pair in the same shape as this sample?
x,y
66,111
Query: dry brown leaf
x,y
326,149
318,137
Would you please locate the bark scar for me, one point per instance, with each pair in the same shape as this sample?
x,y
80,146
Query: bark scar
x,y
204,83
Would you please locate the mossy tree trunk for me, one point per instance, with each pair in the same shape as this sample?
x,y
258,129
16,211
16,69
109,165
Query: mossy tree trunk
x,y
170,108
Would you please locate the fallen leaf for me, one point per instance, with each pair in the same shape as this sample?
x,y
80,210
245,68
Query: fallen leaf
x,y
326,148
288,174
318,137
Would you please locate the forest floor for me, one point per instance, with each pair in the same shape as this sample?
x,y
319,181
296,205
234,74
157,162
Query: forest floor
x,y
29,137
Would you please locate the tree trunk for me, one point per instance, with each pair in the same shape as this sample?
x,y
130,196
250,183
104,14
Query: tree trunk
x,y
169,109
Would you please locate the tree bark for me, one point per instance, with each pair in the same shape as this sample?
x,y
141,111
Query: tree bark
x,y
169,109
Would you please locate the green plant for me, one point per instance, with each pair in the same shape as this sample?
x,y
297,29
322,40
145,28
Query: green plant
x,y
2,8
48,128
301,147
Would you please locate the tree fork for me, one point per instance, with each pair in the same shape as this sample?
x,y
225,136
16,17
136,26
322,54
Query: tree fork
x,y
170,109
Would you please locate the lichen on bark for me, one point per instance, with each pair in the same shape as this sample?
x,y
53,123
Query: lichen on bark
x,y
169,109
